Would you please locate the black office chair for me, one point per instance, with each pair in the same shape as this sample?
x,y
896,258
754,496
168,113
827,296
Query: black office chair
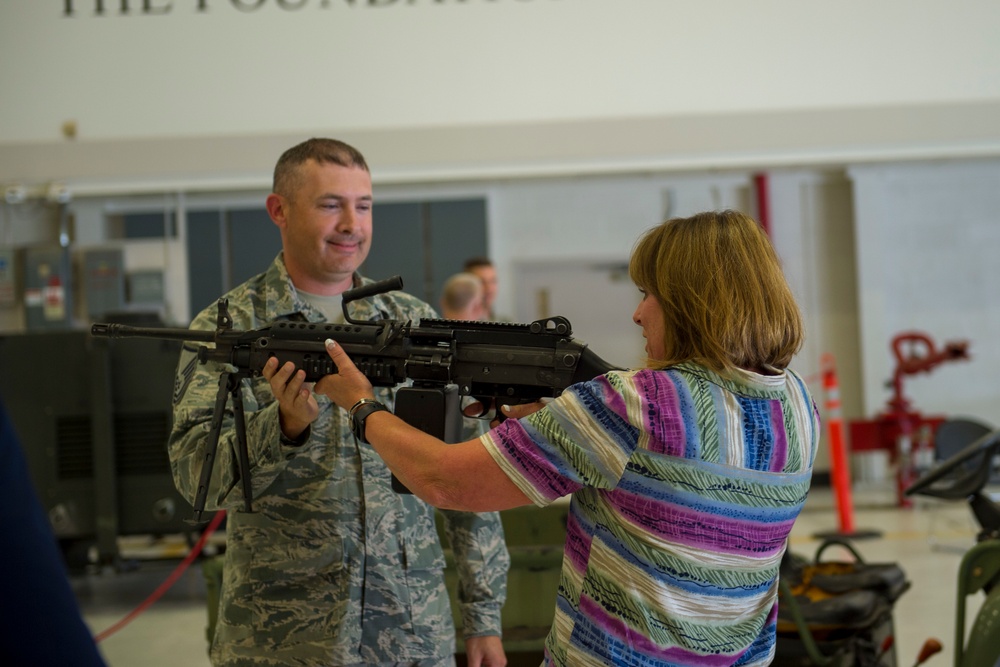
x,y
951,437
954,435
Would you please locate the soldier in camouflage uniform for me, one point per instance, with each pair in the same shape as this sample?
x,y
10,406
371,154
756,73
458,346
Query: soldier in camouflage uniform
x,y
333,567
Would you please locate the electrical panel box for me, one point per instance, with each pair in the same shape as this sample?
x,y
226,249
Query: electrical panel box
x,y
103,282
97,445
48,294
146,288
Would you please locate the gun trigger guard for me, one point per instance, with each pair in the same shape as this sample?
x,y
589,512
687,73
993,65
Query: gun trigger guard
x,y
488,408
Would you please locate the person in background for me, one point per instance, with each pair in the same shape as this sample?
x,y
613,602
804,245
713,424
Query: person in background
x,y
462,298
685,476
332,567
42,625
483,267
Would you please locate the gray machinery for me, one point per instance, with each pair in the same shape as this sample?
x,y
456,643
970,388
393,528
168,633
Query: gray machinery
x,y
93,417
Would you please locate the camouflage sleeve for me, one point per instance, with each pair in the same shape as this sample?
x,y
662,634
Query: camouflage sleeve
x,y
482,560
196,387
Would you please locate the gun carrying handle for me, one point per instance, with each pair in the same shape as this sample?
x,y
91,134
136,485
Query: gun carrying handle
x,y
387,285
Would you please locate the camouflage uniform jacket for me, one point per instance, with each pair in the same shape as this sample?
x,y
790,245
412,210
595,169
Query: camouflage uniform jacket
x,y
332,567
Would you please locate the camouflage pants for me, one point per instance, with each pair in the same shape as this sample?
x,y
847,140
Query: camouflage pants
x,y
448,661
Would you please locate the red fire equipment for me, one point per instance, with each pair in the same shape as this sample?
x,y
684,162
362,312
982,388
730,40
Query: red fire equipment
x,y
904,432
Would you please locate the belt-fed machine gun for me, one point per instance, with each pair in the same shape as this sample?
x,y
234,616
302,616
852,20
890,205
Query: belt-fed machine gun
x,y
496,363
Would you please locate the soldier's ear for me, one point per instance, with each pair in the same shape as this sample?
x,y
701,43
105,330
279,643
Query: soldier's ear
x,y
277,209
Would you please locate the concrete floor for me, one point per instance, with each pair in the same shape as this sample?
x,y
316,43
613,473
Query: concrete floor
x,y
926,541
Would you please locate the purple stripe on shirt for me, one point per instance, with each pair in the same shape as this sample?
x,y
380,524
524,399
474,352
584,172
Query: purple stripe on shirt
x,y
779,453
661,408
772,616
518,448
699,529
577,546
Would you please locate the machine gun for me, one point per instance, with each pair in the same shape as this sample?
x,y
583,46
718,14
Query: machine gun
x,y
494,362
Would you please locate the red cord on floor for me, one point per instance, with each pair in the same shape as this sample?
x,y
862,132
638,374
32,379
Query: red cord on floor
x,y
169,581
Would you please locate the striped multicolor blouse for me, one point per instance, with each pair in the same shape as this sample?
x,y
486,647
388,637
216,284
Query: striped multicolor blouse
x,y
685,486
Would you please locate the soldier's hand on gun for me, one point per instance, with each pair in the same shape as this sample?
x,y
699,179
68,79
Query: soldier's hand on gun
x,y
297,406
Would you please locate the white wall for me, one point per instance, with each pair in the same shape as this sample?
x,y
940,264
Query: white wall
x,y
203,94
177,70
928,257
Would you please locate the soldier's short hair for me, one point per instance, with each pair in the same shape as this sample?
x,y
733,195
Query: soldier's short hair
x,y
329,151
474,263
460,291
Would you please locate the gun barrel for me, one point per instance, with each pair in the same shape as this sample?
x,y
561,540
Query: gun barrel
x,y
126,331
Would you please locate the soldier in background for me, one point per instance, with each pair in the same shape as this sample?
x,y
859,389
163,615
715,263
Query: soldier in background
x,y
463,298
483,267
333,567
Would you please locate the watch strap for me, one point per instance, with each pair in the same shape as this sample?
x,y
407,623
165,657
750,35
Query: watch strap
x,y
360,412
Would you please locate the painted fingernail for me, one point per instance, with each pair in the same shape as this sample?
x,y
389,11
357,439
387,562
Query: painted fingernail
x,y
330,343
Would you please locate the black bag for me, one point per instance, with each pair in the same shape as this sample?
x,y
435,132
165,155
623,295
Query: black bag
x,y
837,612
